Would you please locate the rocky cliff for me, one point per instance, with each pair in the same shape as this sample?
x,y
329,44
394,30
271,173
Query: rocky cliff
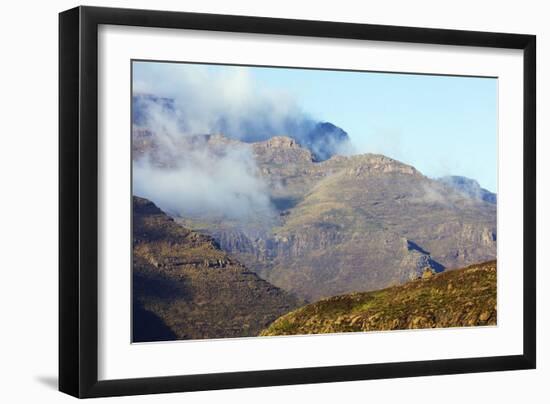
x,y
185,287
356,223
345,224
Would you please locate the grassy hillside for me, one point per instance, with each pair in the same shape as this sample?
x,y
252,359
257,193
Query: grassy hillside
x,y
458,298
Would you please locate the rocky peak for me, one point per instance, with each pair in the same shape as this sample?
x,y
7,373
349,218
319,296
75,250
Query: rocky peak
x,y
281,142
365,164
281,150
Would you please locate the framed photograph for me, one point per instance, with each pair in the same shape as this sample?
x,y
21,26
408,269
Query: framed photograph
x,y
251,201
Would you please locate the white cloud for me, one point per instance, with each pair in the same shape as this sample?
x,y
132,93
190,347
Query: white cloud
x,y
206,183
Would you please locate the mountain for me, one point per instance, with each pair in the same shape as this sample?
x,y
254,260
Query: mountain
x,y
323,139
142,105
469,187
460,298
354,223
367,222
185,287
345,224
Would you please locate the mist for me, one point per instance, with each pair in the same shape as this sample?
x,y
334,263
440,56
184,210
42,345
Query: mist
x,y
188,99
185,176
204,183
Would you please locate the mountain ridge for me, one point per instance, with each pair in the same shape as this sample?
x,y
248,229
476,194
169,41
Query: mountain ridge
x,y
322,139
383,220
185,287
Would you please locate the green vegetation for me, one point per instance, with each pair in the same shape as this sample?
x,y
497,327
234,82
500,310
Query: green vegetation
x,y
458,298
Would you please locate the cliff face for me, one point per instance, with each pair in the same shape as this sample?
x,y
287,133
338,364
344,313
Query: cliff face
x,y
346,224
357,223
461,298
185,287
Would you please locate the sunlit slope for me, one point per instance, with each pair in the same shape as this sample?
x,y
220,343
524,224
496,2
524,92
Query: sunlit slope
x,y
375,222
342,225
459,298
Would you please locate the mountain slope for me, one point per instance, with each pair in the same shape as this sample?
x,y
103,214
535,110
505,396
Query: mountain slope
x,y
469,187
342,225
356,223
185,287
464,297
374,222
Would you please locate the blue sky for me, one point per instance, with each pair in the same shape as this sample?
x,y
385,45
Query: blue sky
x,y
442,125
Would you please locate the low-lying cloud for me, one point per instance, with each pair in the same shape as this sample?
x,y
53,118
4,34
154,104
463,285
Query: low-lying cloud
x,y
203,183
173,102
185,99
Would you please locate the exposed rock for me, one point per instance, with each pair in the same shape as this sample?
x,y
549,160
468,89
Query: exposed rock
x,y
322,139
427,273
348,224
484,316
185,287
281,150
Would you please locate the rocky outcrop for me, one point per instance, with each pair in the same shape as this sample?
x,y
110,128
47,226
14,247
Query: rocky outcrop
x,y
280,150
326,140
349,223
368,222
373,164
186,287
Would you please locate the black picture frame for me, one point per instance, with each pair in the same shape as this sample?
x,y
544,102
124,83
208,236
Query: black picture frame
x,y
78,201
